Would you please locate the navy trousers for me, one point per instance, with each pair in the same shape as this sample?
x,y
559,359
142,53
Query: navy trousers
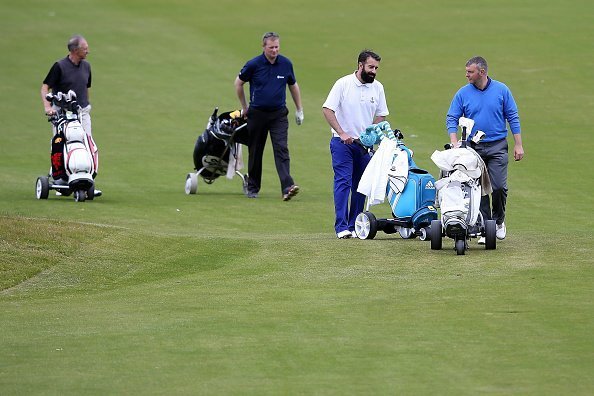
x,y
495,155
349,162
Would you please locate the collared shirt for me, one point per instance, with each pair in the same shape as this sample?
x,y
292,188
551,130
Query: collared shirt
x,y
356,104
65,75
268,81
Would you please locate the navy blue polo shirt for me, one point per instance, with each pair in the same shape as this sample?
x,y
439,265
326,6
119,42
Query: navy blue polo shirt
x,y
268,81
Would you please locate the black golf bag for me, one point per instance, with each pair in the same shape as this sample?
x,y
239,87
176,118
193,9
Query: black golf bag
x,y
216,147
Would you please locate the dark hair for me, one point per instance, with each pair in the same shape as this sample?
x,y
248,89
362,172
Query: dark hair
x,y
269,35
365,54
74,42
479,61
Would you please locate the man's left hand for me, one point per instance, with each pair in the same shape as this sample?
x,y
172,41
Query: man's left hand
x,y
518,152
299,116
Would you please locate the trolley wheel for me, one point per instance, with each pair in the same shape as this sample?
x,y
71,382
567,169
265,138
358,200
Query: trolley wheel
x,y
406,233
435,235
42,187
191,183
490,235
366,225
80,195
424,233
91,193
460,247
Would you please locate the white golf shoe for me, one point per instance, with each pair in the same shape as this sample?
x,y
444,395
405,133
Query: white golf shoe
x,y
501,231
346,234
481,241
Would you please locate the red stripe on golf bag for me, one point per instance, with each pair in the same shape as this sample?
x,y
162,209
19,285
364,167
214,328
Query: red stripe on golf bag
x,y
94,154
57,156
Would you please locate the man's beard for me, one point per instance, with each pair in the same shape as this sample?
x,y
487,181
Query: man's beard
x,y
366,77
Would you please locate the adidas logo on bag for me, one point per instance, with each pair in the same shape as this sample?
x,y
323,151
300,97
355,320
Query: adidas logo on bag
x,y
429,185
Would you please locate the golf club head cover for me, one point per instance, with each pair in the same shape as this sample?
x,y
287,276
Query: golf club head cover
x,y
478,136
370,136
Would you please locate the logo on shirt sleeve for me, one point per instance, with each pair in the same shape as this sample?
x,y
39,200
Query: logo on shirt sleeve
x,y
281,77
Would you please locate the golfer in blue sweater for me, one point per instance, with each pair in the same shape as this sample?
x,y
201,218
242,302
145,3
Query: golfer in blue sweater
x,y
490,104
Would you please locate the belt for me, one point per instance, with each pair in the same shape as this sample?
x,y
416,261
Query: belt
x,y
483,143
268,109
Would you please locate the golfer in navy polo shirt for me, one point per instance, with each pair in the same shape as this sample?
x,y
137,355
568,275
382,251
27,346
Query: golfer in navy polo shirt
x,y
268,75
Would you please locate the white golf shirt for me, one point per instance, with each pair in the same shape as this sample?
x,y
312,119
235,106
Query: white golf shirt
x,y
356,104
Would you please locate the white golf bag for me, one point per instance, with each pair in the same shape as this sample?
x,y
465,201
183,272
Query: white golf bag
x,y
464,179
459,189
80,154
75,157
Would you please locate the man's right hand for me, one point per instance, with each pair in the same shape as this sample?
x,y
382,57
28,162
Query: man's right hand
x,y
346,139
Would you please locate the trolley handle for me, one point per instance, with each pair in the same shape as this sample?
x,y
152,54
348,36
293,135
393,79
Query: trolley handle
x,y
463,141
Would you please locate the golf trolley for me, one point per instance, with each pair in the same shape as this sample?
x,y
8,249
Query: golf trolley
x,y
409,189
463,180
217,151
74,155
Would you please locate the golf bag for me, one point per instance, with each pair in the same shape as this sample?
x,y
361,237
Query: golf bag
x,y
410,190
74,154
463,181
217,150
459,189
417,200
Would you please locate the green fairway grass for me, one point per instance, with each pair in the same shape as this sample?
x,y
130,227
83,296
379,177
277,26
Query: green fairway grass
x,y
147,290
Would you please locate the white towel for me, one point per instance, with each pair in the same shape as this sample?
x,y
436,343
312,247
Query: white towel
x,y
465,160
460,159
235,164
466,122
375,177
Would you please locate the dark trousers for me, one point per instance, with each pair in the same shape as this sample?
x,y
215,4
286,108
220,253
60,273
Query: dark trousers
x,y
495,155
259,124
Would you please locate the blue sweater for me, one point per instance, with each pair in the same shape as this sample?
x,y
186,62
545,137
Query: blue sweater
x,y
489,108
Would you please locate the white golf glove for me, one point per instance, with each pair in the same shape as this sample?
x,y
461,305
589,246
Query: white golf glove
x,y
299,116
